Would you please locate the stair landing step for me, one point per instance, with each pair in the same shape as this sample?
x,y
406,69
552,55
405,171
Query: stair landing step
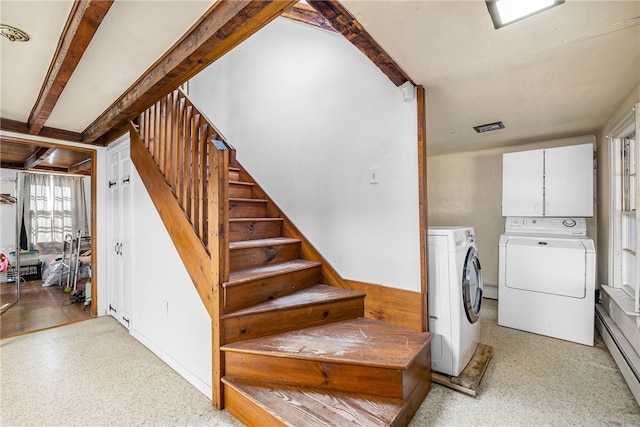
x,y
362,341
250,274
304,297
263,403
274,241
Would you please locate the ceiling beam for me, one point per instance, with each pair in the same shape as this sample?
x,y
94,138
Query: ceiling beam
x,y
80,167
224,26
21,127
82,24
40,154
308,15
343,22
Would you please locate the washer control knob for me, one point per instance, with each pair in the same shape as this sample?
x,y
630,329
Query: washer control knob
x,y
569,223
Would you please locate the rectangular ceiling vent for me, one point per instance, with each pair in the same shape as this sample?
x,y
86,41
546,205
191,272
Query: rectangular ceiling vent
x,y
489,127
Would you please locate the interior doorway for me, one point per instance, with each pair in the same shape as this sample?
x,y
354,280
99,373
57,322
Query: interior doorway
x,y
34,306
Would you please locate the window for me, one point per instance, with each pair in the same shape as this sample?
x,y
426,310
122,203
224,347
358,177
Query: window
x,y
624,194
54,206
505,12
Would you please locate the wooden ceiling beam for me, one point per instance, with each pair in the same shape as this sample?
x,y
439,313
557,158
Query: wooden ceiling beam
x,y
38,156
21,127
82,24
308,15
224,26
344,23
81,167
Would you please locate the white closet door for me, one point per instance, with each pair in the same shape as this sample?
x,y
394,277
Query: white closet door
x,y
114,261
569,181
119,275
125,247
522,183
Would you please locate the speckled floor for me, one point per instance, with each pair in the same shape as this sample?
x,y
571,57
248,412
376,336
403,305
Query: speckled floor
x,y
93,373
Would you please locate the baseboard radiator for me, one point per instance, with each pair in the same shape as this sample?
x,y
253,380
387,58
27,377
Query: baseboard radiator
x,y
620,349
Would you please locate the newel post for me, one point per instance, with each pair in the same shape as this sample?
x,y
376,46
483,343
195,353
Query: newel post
x,y
218,224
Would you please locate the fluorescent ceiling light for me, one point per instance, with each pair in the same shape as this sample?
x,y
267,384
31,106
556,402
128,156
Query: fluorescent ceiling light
x,y
505,12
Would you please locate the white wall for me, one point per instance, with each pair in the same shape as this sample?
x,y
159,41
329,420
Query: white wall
x,y
466,189
167,313
309,115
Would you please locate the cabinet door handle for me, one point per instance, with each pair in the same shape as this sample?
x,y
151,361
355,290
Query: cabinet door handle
x,y
116,249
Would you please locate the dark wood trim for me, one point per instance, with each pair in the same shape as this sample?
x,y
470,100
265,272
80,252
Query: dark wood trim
x,y
423,205
224,26
81,26
47,132
391,305
307,15
95,249
344,23
29,139
40,154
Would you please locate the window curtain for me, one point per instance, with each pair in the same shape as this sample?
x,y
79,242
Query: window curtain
x,y
54,206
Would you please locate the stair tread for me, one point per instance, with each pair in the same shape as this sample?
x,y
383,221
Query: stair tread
x,y
298,406
348,342
260,219
241,183
240,199
303,297
249,274
273,241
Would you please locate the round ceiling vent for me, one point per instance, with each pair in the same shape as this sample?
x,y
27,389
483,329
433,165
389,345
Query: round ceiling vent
x,y
13,33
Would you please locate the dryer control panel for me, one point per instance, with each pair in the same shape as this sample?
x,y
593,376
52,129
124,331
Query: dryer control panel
x,y
546,225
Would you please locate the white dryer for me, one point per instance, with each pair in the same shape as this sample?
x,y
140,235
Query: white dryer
x,y
546,278
455,297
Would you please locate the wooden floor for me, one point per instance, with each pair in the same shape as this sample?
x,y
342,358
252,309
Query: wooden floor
x,y
39,308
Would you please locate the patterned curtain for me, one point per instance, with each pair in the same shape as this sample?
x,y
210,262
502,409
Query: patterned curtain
x,y
54,206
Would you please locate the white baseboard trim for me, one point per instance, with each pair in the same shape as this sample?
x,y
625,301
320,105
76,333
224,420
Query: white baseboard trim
x,y
490,291
620,350
185,373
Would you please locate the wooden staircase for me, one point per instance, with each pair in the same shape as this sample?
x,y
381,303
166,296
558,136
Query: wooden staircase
x,y
291,345
299,352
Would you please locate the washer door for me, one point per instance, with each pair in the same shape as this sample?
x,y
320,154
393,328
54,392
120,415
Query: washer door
x,y
472,285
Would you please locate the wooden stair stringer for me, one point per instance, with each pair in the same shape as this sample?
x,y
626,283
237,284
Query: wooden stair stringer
x,y
307,251
190,248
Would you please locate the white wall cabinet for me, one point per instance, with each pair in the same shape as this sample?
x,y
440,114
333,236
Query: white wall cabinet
x,y
548,182
119,253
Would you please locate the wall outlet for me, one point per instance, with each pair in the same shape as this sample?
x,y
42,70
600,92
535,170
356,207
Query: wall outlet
x,y
373,175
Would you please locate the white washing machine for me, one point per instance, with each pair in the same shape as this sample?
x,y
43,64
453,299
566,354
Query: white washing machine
x,y
546,278
455,297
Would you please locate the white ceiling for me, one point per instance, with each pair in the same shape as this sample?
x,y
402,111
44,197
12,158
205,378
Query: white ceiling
x,y
133,35
558,74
